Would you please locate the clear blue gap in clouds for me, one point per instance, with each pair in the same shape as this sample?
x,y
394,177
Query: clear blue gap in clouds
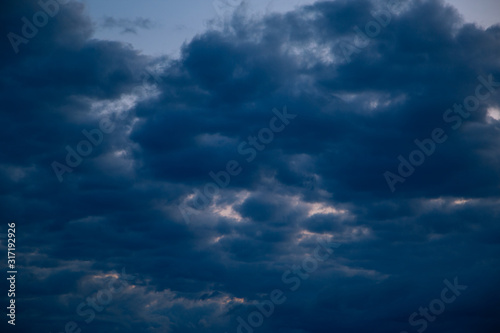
x,y
320,177
176,22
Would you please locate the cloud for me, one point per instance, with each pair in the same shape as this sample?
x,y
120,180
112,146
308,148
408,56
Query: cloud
x,y
127,25
120,206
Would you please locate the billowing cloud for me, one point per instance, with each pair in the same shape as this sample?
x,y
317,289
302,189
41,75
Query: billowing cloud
x,y
221,176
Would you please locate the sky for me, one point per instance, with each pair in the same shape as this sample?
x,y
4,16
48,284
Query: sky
x,y
174,22
267,166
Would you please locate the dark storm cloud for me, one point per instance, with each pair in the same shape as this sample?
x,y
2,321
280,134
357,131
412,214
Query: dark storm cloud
x,y
319,179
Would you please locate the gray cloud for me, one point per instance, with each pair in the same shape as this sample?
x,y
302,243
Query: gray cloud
x,y
127,25
119,207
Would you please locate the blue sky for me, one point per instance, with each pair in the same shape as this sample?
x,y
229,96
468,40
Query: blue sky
x,y
176,22
283,166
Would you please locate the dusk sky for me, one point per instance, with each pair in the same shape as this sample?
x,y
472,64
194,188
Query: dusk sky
x,y
266,166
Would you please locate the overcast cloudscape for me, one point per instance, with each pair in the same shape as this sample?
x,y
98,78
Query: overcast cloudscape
x,y
268,166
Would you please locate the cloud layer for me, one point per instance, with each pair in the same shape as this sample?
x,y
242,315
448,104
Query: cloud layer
x,y
178,123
